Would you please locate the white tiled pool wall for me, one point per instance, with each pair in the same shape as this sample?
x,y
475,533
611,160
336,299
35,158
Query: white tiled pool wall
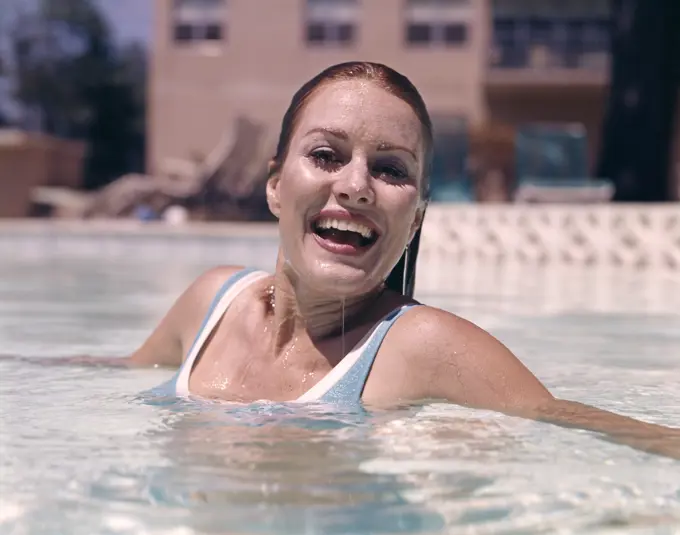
x,y
610,257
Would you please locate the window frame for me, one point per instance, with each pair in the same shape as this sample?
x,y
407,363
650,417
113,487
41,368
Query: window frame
x,y
335,28
441,23
569,41
206,25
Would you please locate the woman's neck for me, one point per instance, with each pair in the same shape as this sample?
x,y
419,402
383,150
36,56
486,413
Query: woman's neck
x,y
299,310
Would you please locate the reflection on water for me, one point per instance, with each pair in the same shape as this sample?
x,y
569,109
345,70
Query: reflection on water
x,y
283,469
88,451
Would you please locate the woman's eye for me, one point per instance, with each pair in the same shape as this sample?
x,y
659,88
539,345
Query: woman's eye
x,y
393,172
325,158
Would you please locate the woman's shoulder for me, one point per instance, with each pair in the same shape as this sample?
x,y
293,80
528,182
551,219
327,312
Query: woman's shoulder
x,y
459,361
196,300
201,293
424,324
211,280
168,343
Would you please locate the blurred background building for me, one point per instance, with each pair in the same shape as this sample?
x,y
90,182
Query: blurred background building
x,y
538,69
521,93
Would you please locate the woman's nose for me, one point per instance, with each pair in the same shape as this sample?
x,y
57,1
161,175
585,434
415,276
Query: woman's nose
x,y
354,185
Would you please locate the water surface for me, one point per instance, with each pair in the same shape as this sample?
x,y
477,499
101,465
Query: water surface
x,y
82,451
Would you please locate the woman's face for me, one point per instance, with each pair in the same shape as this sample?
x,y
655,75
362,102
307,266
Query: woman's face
x,y
348,193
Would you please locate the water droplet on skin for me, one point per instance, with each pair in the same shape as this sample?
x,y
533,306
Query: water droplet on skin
x,y
343,327
308,376
289,350
220,383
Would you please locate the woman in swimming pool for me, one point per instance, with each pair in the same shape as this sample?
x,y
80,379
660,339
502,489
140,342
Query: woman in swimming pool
x,y
349,186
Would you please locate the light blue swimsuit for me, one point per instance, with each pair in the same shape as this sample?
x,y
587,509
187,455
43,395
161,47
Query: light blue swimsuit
x,y
343,384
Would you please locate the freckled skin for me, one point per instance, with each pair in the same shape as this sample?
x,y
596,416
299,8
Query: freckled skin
x,y
369,118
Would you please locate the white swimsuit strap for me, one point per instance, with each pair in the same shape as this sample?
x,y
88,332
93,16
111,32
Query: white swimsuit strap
x,y
338,372
182,382
332,378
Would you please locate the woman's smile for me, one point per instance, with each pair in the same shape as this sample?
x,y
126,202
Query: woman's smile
x,y
343,232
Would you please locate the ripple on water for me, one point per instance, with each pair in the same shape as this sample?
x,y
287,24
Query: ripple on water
x,y
85,451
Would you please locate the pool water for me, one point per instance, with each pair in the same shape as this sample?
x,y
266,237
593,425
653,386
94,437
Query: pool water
x,y
86,451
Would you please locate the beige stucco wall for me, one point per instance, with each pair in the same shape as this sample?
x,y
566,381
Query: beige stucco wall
x,y
196,90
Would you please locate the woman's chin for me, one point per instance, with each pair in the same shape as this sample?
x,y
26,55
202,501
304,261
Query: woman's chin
x,y
341,280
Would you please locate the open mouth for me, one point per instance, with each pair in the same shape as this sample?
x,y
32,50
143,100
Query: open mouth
x,y
344,233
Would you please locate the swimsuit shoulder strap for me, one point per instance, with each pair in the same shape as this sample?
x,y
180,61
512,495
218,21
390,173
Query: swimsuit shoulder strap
x,y
345,383
232,287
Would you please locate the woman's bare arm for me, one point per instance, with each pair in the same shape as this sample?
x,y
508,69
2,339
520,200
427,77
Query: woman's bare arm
x,y
470,367
652,438
169,342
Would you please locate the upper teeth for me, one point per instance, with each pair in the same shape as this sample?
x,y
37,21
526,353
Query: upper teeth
x,y
365,231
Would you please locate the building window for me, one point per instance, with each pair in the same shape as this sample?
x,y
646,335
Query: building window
x,y
198,20
331,22
547,34
437,22
551,8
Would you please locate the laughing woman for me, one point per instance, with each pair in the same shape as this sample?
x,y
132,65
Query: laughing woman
x,y
336,321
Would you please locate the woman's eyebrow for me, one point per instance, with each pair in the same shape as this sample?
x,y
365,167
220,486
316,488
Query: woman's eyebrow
x,y
341,134
384,146
335,132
